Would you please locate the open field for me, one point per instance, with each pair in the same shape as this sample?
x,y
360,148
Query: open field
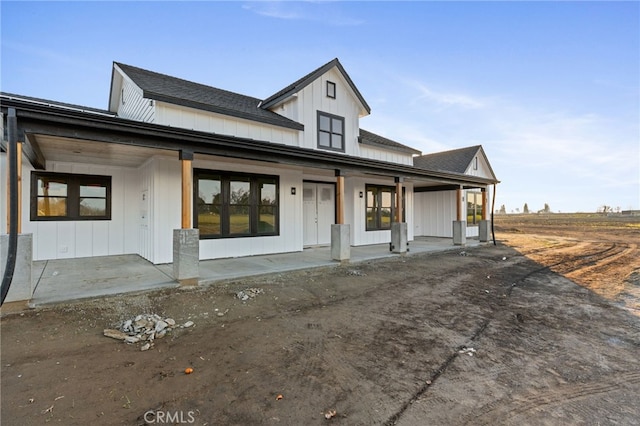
x,y
490,335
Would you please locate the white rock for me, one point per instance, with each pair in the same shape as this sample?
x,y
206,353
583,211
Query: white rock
x,y
132,339
187,324
161,325
161,334
115,334
145,347
170,321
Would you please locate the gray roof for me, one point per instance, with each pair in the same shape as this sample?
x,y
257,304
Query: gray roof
x,y
57,104
368,138
309,78
456,160
177,91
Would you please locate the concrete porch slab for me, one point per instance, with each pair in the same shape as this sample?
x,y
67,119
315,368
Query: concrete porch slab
x,y
71,279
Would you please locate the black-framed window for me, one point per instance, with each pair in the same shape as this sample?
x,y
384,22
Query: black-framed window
x,y
330,131
235,204
64,196
381,207
331,90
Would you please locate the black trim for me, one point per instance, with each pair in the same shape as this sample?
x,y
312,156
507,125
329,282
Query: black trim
x,y
331,117
253,205
331,88
74,182
46,120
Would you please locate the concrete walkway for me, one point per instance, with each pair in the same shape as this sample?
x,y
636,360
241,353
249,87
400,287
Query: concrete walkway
x,y
71,279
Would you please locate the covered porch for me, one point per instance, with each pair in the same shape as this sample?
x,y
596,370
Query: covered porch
x,y
64,280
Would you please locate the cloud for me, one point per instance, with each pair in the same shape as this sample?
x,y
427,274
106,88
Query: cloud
x,y
444,99
327,12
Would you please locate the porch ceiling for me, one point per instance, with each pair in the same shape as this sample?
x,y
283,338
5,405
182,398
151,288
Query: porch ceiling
x,y
55,148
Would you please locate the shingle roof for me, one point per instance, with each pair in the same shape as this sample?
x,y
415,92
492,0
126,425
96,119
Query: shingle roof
x,y
57,104
368,138
309,78
177,91
456,160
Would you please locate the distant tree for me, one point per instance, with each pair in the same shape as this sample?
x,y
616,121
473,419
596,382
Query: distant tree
x,y
547,209
525,209
503,210
604,209
618,209
517,209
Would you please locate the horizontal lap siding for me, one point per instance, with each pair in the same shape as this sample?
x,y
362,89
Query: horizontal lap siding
x,y
72,239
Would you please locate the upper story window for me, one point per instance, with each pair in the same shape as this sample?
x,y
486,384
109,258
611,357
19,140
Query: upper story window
x,y
235,205
330,131
62,196
331,90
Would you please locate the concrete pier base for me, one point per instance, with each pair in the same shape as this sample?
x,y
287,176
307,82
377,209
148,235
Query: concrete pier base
x,y
21,285
484,230
399,237
341,242
459,232
186,256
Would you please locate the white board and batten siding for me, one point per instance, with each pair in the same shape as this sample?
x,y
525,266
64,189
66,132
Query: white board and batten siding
x,y
435,213
132,105
205,121
86,238
388,155
290,237
355,211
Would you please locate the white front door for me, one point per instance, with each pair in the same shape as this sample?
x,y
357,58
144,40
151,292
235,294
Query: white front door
x,y
319,211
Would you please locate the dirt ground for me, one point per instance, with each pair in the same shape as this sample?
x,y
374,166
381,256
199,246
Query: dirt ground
x,y
490,335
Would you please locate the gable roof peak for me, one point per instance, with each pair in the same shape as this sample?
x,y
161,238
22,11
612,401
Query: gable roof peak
x,y
177,91
303,82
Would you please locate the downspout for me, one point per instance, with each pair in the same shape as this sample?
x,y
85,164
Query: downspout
x,y
493,208
12,151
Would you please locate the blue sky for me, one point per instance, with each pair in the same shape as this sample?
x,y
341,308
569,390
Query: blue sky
x,y
551,90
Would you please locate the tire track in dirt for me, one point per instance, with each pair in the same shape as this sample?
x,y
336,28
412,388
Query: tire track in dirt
x,y
514,409
581,260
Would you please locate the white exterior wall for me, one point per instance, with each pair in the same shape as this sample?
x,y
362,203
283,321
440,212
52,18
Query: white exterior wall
x,y
355,211
132,105
483,169
205,121
3,192
290,238
385,155
71,239
435,213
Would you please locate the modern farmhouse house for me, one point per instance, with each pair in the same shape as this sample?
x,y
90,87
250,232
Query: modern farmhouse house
x,y
174,168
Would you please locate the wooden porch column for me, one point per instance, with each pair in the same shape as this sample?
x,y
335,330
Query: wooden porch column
x,y
398,217
186,158
484,203
9,171
339,197
459,203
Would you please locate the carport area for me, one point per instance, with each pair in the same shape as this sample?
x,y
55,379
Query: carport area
x,y
64,280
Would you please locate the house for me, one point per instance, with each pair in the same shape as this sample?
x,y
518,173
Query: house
x,y
175,170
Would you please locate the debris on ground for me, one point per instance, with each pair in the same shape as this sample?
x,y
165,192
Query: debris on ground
x,y
144,328
329,414
468,351
279,397
463,253
356,273
249,293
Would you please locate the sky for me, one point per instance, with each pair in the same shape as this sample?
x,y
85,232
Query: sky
x,y
551,90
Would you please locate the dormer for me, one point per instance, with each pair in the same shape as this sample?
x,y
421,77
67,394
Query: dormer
x,y
328,104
